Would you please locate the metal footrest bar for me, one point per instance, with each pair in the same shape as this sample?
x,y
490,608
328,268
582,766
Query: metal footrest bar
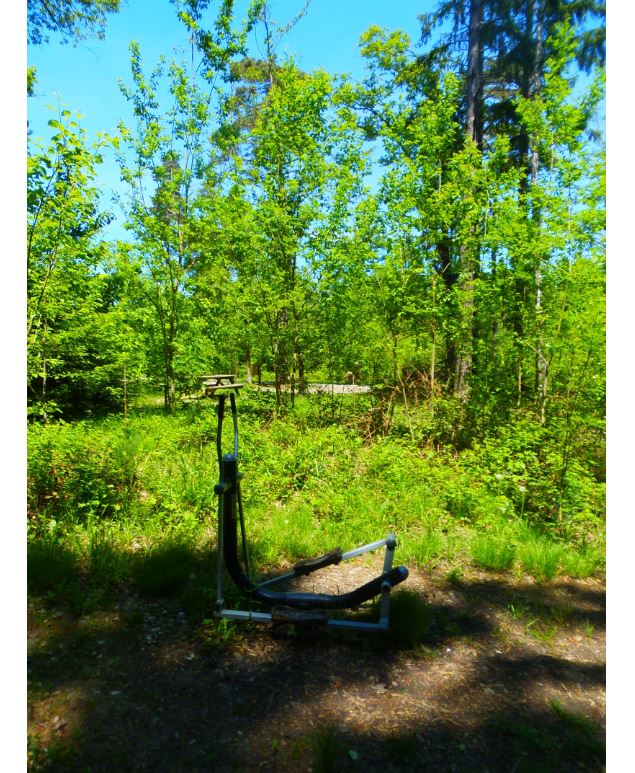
x,y
389,541
332,622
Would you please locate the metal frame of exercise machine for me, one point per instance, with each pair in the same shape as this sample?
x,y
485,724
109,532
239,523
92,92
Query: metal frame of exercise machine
x,y
287,606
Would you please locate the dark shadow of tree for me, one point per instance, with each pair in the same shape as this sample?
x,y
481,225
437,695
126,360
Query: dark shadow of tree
x,y
137,684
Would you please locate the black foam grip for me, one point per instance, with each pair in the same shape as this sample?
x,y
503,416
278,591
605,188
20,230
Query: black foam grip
x,y
309,565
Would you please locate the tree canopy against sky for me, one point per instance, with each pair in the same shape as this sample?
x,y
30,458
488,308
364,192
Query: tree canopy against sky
x,y
451,296
71,20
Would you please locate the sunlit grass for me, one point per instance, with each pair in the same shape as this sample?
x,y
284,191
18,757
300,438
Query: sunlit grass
x,y
540,557
426,548
104,495
582,563
493,553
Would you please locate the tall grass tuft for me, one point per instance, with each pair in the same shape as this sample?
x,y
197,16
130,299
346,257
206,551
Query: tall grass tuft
x,y
326,748
50,565
492,553
582,563
109,562
410,618
425,549
540,557
165,569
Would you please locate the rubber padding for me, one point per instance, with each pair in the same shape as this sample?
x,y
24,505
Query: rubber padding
x,y
312,564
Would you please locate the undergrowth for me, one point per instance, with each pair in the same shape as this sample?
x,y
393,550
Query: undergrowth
x,y
133,499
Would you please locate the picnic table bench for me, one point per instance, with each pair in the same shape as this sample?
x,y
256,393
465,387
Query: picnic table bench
x,y
213,383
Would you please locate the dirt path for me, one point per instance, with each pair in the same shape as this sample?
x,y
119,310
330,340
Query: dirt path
x,y
509,676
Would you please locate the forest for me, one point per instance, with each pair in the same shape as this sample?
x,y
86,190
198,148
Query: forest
x,y
432,234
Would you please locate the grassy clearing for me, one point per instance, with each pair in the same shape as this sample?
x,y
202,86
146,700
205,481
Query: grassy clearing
x,y
114,500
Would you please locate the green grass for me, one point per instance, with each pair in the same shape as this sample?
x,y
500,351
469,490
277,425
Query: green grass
x,y
50,566
580,733
220,635
588,628
423,549
540,557
165,569
582,563
540,630
326,747
454,576
108,558
560,739
104,494
492,553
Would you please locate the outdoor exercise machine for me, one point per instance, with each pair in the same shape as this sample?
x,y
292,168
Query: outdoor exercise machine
x,y
286,606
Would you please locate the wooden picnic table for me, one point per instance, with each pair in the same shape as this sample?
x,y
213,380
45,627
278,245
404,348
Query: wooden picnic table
x,y
212,383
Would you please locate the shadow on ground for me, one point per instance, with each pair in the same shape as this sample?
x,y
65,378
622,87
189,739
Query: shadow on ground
x,y
137,684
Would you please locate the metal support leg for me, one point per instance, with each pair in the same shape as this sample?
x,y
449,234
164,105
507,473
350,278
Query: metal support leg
x,y
219,561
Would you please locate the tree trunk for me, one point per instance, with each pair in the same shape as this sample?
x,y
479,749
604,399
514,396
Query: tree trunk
x,y
474,128
44,331
541,361
248,365
170,379
301,375
474,131
277,371
463,367
125,392
449,279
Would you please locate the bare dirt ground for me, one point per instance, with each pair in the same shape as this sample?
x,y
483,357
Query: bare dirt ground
x,y
509,677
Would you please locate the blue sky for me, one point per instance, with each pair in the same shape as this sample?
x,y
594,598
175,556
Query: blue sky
x,y
83,78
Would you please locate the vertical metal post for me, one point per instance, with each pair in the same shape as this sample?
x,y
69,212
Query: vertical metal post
x,y
243,536
219,541
219,432
391,544
241,517
219,559
384,606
